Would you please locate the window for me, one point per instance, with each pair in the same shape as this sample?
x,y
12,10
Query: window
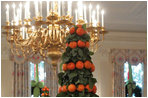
x,y
137,73
41,73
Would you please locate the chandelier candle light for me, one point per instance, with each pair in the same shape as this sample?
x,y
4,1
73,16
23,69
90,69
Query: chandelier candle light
x,y
24,31
33,35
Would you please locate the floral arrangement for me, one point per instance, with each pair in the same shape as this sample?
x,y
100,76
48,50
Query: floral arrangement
x,y
45,92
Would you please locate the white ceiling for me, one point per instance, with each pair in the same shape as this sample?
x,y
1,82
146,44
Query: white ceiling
x,y
126,16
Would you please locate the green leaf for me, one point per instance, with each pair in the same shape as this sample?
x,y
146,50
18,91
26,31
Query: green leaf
x,y
62,94
36,92
60,75
66,59
91,53
33,83
40,84
75,27
84,26
74,52
72,75
80,52
92,81
60,81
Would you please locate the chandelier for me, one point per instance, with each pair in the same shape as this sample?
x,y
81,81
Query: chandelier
x,y
46,35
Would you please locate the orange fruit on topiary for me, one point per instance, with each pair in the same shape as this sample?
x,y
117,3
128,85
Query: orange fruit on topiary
x,y
79,26
73,44
87,87
46,94
42,94
80,87
47,89
92,67
71,66
87,44
71,88
60,89
66,44
81,43
79,65
64,67
94,90
80,31
43,89
64,89
72,30
87,64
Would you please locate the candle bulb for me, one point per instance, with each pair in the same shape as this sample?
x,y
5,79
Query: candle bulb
x,y
25,7
93,18
59,8
17,17
40,8
63,8
20,5
69,7
52,5
36,8
47,8
13,5
23,32
85,14
7,13
90,7
80,9
28,5
76,15
102,12
98,13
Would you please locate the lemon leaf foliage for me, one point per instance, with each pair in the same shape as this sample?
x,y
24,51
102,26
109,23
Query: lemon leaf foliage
x,y
76,79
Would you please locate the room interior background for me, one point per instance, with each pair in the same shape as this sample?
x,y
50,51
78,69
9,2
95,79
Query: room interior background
x,y
127,31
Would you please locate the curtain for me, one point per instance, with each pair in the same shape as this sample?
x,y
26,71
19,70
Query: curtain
x,y
21,74
21,78
118,58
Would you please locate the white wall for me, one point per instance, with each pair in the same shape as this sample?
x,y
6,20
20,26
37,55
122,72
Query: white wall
x,y
104,68
6,70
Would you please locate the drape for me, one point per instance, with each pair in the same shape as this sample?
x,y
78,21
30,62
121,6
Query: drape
x,y
118,58
21,74
21,78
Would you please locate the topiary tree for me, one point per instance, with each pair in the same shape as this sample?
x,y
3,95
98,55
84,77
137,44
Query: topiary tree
x,y
77,80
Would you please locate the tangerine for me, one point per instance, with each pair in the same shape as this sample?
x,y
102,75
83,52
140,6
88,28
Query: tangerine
x,y
79,65
94,89
81,43
73,44
92,67
64,67
42,94
72,30
87,64
80,87
71,66
60,89
80,31
64,89
79,26
43,89
66,44
88,88
46,94
87,44
71,88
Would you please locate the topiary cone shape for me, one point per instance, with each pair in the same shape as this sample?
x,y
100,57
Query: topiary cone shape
x,y
77,80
